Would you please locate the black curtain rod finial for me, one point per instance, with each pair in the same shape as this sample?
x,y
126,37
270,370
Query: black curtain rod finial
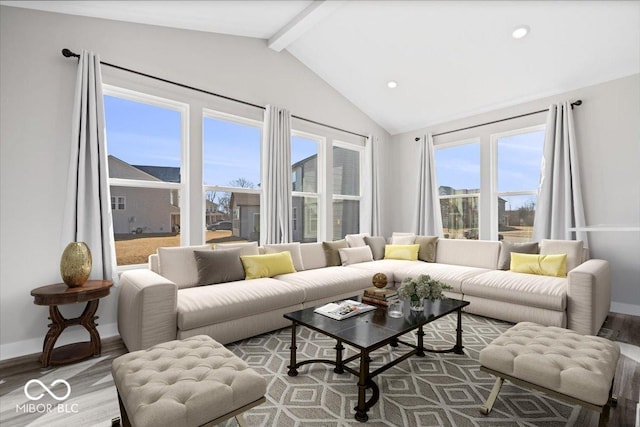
x,y
68,54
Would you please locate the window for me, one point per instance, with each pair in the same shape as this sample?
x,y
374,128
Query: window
x,y
458,172
305,173
117,203
145,144
231,175
347,189
519,154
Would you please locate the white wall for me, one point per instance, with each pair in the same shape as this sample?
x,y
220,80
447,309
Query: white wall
x,y
608,134
36,86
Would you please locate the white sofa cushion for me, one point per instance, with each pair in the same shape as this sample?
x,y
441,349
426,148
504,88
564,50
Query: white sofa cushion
x,y
471,253
518,288
452,275
208,305
403,238
386,266
179,264
573,249
356,240
292,248
313,255
350,256
246,248
328,282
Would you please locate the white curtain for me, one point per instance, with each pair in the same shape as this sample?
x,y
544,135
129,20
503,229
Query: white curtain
x,y
559,194
276,176
87,216
371,206
428,219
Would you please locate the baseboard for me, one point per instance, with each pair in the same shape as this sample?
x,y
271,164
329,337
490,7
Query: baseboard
x,y
620,307
33,346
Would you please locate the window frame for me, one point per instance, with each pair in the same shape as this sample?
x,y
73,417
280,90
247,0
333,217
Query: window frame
x,y
320,193
494,138
184,110
219,115
360,149
478,194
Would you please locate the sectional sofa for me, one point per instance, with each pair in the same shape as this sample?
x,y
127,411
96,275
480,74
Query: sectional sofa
x,y
163,303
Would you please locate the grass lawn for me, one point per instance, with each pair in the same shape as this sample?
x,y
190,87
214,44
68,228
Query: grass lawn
x,y
136,248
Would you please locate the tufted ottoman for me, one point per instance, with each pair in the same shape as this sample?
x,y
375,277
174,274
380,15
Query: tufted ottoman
x,y
576,368
190,382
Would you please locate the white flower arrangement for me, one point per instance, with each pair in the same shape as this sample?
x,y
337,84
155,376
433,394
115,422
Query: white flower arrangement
x,y
422,287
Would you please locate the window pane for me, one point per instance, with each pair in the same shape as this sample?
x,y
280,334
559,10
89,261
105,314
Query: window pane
x,y
346,218
146,140
150,218
231,154
458,168
515,218
346,172
304,164
305,219
519,158
460,217
232,217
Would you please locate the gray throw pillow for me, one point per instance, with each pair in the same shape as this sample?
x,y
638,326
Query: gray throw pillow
x,y
428,245
377,244
504,261
219,266
331,251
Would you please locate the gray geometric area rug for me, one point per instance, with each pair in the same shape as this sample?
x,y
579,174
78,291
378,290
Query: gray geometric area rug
x,y
440,389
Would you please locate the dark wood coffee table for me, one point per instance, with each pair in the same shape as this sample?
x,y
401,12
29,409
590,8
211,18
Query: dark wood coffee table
x,y
368,332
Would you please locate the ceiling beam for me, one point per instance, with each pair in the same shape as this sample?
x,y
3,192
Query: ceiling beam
x,y
303,22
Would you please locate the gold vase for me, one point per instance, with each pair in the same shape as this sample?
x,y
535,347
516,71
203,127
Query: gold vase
x,y
75,264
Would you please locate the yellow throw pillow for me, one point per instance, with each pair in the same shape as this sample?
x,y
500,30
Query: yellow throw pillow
x,y
546,265
406,252
269,265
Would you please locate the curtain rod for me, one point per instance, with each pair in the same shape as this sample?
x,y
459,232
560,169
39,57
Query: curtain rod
x,y
68,54
578,102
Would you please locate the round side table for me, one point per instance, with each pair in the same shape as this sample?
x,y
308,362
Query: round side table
x,y
58,294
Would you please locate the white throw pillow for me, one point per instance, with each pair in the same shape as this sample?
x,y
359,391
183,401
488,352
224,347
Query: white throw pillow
x,y
573,249
356,240
179,264
355,255
248,248
294,250
403,238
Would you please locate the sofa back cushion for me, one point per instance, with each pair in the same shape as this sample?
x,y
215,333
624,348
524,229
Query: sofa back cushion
x,y
179,264
573,249
292,248
471,253
246,248
313,255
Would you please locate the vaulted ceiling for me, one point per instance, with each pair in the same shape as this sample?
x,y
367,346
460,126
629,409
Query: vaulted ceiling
x,y
450,59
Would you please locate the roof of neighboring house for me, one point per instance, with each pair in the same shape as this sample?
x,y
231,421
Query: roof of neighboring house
x,y
163,173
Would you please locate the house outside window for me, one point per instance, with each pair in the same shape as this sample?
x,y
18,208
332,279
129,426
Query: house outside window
x,y
145,137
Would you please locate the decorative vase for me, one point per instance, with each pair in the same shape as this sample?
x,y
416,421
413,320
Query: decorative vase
x,y
75,264
416,304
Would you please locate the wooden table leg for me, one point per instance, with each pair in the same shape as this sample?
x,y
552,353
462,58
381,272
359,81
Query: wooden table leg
x,y
56,327
361,409
339,348
87,319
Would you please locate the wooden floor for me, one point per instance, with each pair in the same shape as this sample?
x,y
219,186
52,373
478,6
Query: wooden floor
x,y
617,327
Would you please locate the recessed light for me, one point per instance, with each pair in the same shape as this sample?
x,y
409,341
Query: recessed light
x,y
392,84
520,32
